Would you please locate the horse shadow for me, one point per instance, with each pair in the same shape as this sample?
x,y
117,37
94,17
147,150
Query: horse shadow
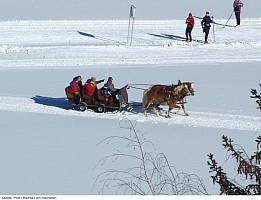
x,y
137,108
50,101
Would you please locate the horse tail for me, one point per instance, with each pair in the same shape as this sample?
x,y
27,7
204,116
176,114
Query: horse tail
x,y
144,98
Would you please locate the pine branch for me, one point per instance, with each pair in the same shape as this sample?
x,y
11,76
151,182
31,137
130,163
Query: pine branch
x,y
245,167
257,96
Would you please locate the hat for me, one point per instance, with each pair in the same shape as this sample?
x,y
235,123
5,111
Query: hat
x,y
190,14
93,78
110,78
207,13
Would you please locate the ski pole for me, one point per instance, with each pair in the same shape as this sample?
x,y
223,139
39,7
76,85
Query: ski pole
x,y
213,29
230,17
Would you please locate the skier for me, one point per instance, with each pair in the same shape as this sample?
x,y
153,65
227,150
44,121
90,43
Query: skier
x,y
190,24
237,9
205,23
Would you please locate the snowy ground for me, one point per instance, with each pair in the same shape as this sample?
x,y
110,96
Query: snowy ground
x,y
48,149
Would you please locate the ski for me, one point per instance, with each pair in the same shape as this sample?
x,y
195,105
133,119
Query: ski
x,y
200,41
225,25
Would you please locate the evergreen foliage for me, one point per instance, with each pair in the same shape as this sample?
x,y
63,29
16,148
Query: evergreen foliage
x,y
257,96
248,167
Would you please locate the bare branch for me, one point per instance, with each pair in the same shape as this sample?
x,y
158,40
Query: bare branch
x,y
152,174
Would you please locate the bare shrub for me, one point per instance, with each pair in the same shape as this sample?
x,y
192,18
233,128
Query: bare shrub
x,y
148,173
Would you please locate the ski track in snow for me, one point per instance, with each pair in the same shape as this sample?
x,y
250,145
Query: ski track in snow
x,y
58,45
196,119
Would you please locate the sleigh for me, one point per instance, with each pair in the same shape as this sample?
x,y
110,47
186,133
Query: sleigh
x,y
101,104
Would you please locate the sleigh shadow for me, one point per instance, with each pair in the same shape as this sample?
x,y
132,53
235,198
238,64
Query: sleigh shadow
x,y
50,101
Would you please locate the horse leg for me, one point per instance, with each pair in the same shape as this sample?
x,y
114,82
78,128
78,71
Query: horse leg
x,y
178,107
145,112
168,112
183,107
146,106
157,110
145,102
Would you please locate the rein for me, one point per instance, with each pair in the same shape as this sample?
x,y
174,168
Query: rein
x,y
141,84
138,84
138,88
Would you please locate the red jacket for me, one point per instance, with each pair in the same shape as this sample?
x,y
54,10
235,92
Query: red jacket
x,y
88,89
74,86
190,21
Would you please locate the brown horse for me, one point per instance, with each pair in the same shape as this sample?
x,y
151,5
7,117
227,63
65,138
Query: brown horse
x,y
167,95
190,87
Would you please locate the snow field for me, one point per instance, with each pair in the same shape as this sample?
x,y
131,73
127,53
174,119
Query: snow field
x,y
48,149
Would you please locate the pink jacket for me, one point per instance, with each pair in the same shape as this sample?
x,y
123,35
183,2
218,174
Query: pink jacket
x,y
237,5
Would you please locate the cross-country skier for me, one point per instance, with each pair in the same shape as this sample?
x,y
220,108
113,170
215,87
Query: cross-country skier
x,y
237,9
205,23
190,24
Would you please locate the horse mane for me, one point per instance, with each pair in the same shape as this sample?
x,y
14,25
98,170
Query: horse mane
x,y
180,87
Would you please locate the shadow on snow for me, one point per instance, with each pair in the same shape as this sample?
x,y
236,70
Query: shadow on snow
x,y
64,104
172,37
50,101
99,38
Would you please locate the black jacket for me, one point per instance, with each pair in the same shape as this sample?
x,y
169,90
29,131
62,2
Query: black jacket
x,y
206,22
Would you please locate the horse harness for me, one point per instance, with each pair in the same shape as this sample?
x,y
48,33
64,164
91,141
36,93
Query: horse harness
x,y
168,92
168,96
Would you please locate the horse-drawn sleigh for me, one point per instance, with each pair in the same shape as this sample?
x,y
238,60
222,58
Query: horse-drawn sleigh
x,y
155,96
101,103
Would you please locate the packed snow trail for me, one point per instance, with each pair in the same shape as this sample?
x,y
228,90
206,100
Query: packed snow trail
x,y
196,119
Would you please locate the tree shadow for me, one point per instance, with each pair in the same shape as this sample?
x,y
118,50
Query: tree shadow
x,y
86,34
100,38
50,101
